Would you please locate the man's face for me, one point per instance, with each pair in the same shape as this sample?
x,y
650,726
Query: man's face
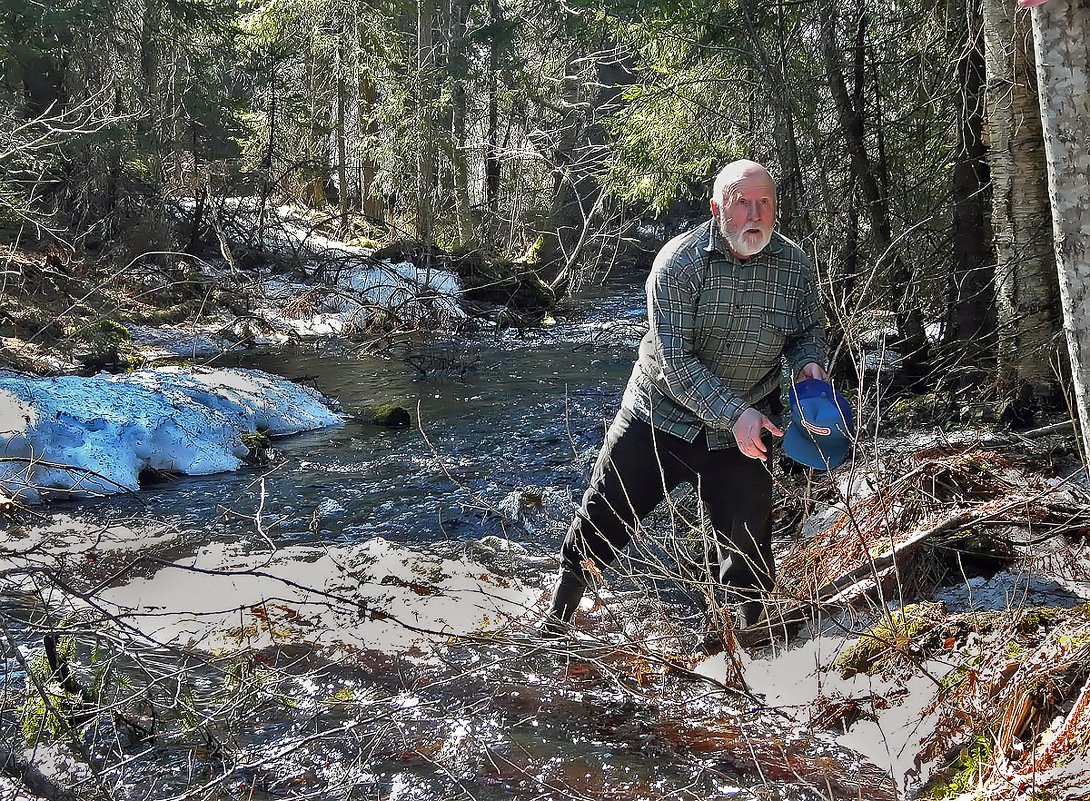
x,y
746,214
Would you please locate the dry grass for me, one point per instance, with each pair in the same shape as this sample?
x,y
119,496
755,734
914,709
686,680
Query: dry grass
x,y
942,496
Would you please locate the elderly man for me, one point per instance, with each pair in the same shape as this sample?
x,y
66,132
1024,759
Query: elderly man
x,y
728,302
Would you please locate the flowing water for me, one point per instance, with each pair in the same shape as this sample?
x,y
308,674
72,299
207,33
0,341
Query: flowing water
x,y
499,422
514,410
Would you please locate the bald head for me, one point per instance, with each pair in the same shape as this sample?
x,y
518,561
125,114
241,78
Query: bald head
x,y
744,207
737,171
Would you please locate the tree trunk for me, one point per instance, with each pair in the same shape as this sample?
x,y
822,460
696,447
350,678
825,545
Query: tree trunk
x,y
567,210
492,156
971,314
1061,31
458,76
1027,293
371,204
425,145
792,208
341,135
151,70
913,343
580,156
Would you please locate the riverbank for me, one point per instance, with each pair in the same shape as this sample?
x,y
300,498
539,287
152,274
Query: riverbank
x,y
263,277
357,613
957,668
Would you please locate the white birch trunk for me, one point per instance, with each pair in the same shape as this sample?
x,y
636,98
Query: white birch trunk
x,y
1061,32
1025,274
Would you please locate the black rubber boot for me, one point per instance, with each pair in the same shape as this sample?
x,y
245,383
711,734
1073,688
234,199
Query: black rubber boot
x,y
567,593
747,614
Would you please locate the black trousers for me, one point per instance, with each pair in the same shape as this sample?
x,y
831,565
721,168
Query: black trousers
x,y
639,465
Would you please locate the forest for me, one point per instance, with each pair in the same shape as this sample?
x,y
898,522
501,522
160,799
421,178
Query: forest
x,y
905,139
424,188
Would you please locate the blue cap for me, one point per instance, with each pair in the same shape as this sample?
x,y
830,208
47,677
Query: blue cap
x,y
822,427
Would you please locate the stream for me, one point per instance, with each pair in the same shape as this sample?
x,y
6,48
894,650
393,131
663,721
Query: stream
x,y
497,420
527,411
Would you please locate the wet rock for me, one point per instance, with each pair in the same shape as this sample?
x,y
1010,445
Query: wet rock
x,y
259,448
390,415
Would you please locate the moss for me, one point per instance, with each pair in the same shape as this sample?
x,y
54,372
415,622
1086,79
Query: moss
x,y
1017,652
344,695
110,333
256,439
534,251
1039,617
177,313
1074,639
107,346
390,415
504,283
259,447
897,634
964,774
916,410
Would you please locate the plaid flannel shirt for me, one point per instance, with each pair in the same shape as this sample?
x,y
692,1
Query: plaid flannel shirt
x,y
720,332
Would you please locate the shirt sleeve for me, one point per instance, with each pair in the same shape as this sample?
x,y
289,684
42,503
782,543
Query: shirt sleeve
x,y
672,293
807,342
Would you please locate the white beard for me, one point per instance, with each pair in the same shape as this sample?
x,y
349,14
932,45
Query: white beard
x,y
743,249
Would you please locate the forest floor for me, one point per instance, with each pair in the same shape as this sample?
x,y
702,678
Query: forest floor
x,y
949,560
60,315
958,559
929,638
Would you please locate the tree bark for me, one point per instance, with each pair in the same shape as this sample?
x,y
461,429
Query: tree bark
x,y
792,208
971,320
425,146
1027,292
458,69
580,156
492,154
341,135
371,204
1061,32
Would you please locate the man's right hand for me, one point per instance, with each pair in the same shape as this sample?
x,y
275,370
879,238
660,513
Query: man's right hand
x,y
747,433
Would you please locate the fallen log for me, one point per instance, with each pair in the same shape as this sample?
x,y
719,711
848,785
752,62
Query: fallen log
x,y
847,589
1063,427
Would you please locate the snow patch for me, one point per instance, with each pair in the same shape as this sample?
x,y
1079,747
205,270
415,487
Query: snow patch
x,y
795,679
93,436
352,287
358,293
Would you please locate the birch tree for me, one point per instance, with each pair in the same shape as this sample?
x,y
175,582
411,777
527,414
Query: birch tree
x,y
1061,33
1025,276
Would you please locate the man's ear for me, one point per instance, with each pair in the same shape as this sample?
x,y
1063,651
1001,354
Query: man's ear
x,y
715,207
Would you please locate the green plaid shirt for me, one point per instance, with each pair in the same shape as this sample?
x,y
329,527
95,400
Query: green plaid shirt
x,y
720,331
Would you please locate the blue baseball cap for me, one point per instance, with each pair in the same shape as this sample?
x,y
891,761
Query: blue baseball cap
x,y
822,427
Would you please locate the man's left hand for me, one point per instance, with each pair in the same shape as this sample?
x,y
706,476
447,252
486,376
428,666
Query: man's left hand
x,y
812,370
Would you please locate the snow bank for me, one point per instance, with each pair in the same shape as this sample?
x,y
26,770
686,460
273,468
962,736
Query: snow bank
x,y
93,436
359,293
352,287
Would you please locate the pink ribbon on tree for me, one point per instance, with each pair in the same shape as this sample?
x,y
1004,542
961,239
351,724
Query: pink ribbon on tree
x,y
1031,3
